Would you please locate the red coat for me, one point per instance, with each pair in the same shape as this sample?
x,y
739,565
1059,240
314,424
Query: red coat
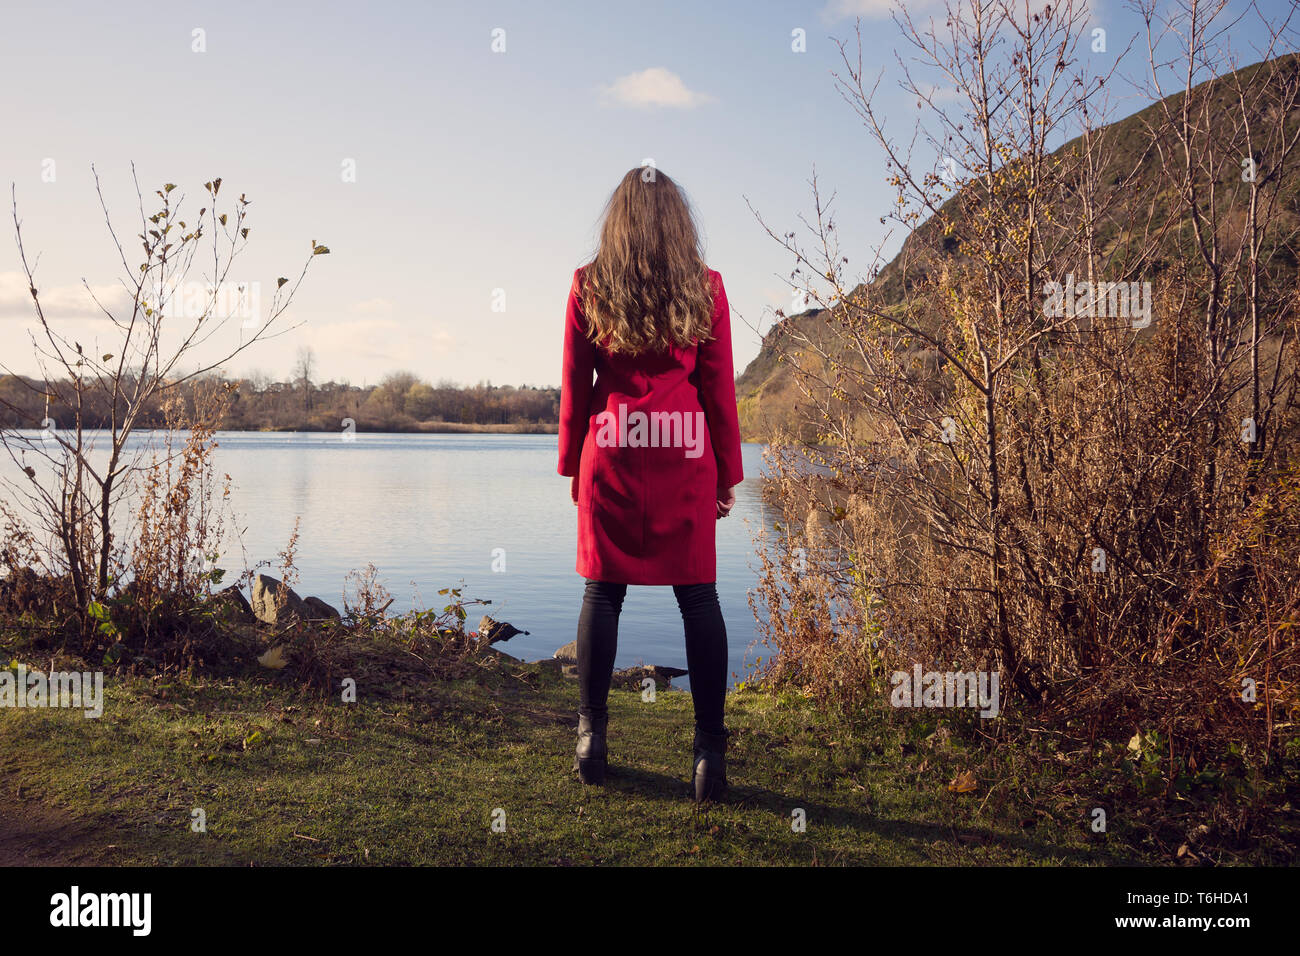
x,y
648,483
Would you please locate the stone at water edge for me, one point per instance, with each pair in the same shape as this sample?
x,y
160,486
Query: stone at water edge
x,y
271,606
630,678
231,604
492,630
627,678
667,673
319,610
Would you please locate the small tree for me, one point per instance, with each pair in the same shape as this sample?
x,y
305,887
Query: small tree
x,y
303,371
180,296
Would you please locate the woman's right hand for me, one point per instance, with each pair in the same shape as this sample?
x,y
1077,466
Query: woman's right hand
x,y
726,501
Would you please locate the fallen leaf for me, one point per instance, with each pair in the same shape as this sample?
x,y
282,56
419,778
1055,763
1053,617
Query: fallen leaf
x,y
964,782
274,658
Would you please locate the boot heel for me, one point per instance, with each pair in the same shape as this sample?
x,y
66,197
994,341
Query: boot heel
x,y
591,756
709,767
710,784
591,770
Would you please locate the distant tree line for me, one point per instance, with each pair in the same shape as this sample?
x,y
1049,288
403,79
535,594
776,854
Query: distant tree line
x,y
402,401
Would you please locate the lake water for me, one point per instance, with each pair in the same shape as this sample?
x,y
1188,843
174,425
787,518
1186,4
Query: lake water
x,y
429,512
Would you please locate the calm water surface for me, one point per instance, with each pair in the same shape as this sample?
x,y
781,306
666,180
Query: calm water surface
x,y
430,511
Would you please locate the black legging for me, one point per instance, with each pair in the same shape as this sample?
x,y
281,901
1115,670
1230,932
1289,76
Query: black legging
x,y
706,648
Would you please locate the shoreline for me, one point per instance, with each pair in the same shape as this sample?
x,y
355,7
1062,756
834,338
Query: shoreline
x,y
418,428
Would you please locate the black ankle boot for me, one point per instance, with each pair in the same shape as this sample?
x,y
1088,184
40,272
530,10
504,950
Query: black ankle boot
x,y
591,757
709,768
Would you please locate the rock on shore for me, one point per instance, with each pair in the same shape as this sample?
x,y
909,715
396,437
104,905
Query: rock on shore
x,y
629,678
275,603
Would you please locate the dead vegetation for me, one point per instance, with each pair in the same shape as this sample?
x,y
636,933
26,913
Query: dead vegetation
x,y
1099,502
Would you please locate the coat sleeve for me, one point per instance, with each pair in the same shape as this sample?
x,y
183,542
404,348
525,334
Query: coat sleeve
x,y
718,390
575,383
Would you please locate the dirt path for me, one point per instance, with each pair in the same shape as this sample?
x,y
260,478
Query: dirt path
x,y
33,833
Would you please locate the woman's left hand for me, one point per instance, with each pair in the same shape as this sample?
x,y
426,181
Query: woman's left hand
x,y
573,489
726,501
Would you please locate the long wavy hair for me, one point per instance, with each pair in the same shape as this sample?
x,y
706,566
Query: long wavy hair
x,y
647,286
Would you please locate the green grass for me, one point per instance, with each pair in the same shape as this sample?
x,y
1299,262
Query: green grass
x,y
415,775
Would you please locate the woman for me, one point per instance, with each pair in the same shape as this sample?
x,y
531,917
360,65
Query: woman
x,y
653,448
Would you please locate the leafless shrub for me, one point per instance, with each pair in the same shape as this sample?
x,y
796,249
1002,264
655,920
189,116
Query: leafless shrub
x,y
1066,495
76,479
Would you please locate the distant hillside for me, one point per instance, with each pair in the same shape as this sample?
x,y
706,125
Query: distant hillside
x,y
766,392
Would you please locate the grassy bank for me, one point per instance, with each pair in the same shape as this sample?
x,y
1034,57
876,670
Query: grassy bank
x,y
417,773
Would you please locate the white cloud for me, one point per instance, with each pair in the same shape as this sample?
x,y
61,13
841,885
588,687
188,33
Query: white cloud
x,y
654,87
58,302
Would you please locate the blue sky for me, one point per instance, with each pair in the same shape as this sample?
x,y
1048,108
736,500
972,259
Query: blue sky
x,y
475,170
